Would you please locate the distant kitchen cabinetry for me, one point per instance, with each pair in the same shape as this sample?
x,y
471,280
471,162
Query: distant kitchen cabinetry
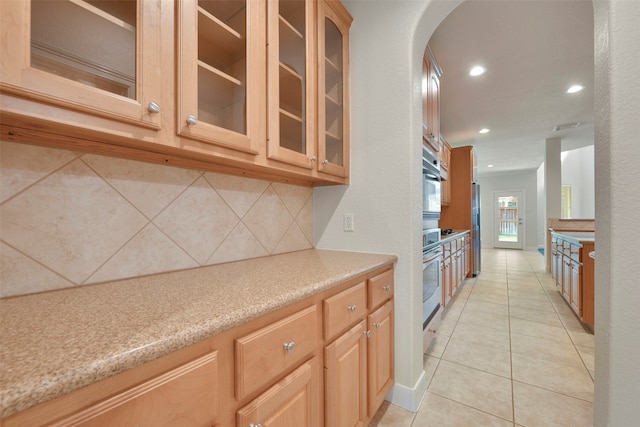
x,y
573,271
445,160
225,86
431,74
455,266
458,215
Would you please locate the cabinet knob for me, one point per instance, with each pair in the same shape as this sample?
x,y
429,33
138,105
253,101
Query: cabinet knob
x,y
255,425
325,161
377,325
153,107
352,308
192,120
314,158
387,288
289,346
367,333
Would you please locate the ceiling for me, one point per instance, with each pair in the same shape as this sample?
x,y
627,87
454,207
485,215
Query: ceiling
x,y
533,50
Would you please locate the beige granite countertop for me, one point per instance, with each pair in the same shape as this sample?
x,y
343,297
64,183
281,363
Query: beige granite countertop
x,y
55,342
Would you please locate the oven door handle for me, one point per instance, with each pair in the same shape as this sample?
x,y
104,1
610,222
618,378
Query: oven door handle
x,y
432,257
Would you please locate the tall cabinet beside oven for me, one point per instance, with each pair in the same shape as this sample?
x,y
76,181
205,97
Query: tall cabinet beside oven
x,y
459,214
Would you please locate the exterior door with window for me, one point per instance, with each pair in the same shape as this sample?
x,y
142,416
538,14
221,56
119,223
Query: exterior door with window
x,y
508,212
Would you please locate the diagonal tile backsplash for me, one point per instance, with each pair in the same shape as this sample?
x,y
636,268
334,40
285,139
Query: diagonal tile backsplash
x,y
70,219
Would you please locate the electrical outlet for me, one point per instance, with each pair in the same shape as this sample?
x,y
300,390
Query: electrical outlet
x,y
348,222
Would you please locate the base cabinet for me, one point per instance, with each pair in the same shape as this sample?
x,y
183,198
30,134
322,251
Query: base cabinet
x,y
380,355
359,370
572,271
292,402
325,360
346,378
455,266
185,396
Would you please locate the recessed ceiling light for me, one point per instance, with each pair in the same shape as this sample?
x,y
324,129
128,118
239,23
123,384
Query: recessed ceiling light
x,y
489,166
484,130
574,89
477,70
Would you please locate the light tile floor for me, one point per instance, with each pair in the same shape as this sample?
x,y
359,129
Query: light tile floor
x,y
509,352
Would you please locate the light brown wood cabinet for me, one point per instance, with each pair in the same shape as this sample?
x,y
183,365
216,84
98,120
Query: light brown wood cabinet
x,y
454,266
269,351
230,87
572,270
56,57
445,159
292,402
346,378
359,365
187,395
278,370
379,355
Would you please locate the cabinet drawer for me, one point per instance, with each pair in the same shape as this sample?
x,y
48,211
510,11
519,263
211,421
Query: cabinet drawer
x,y
262,355
344,309
187,395
380,288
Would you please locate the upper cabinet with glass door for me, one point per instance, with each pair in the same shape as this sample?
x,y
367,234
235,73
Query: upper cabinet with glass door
x,y
94,57
291,81
333,88
221,67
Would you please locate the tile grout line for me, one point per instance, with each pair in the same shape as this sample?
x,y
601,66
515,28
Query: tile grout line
x,y
513,398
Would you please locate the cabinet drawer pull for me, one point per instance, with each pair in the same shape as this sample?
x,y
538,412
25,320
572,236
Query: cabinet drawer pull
x,y
289,346
153,107
192,120
377,324
352,308
255,425
387,288
367,333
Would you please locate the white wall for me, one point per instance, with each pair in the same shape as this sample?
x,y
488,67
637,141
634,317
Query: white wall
x,y
617,294
526,181
578,172
542,208
388,39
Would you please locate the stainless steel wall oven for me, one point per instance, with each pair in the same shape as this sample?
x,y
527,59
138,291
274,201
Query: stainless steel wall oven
x,y
431,280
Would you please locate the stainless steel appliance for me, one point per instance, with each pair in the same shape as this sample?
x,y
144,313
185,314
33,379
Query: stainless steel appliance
x,y
431,194
431,280
475,229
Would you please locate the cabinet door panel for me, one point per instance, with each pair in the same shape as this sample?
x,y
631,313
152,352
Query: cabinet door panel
x,y
333,90
343,309
292,402
187,395
262,355
380,356
220,87
100,58
380,289
291,78
345,378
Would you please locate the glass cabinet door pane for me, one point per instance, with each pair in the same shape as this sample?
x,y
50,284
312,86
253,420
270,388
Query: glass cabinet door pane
x,y
333,93
88,41
222,64
292,75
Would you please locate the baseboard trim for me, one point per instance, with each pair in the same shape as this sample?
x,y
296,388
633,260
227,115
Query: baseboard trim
x,y
409,398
